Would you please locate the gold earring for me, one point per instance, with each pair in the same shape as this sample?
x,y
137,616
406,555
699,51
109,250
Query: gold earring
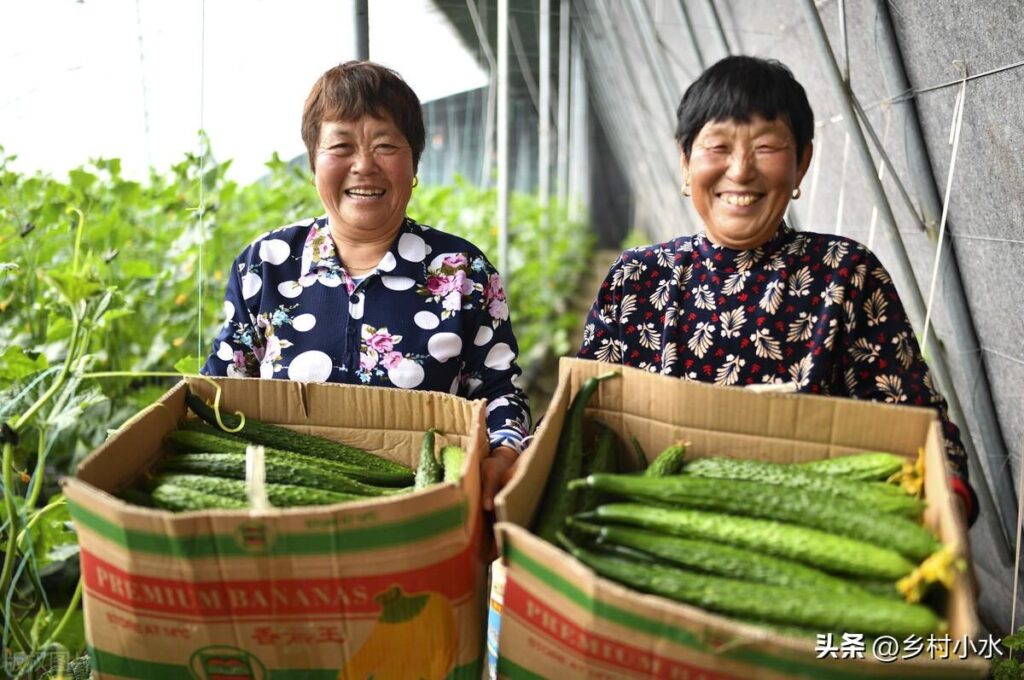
x,y
685,189
797,193
415,181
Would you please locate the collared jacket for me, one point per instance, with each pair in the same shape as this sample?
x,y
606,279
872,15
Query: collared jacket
x,y
816,310
432,316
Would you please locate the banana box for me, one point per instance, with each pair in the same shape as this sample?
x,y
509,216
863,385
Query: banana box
x,y
560,620
382,588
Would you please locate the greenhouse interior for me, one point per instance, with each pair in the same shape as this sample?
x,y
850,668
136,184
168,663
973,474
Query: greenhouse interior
x,y
511,339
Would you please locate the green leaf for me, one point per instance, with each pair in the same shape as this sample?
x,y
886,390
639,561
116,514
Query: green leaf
x,y
15,364
53,542
190,365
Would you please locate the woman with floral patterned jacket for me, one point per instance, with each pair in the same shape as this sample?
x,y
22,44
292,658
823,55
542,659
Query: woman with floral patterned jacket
x,y
364,294
749,300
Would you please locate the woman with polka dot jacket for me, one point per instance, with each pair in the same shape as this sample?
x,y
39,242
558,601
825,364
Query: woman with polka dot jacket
x,y
364,294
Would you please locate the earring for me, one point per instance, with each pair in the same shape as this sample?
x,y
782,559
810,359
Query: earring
x,y
415,181
685,189
797,193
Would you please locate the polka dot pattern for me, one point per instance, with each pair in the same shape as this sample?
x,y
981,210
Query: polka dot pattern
x,y
311,366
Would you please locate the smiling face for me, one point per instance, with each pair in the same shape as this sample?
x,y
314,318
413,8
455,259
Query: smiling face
x,y
741,177
363,173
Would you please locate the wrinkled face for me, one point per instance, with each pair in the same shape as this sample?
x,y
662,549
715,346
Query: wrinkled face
x,y
364,175
742,177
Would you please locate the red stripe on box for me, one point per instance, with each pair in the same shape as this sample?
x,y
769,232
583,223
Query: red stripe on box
x,y
271,598
558,629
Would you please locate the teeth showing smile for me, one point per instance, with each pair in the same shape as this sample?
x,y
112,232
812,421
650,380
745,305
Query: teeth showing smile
x,y
366,193
742,200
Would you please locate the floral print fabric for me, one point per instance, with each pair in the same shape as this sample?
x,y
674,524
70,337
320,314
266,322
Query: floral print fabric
x,y
433,316
816,310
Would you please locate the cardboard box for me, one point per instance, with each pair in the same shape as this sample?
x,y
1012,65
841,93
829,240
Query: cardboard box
x,y
287,593
560,620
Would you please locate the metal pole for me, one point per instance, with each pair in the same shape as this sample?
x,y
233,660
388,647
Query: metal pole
x,y
503,138
964,338
544,112
562,177
684,17
716,24
362,21
915,306
485,45
644,25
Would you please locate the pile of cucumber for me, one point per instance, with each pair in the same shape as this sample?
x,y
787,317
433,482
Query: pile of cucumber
x,y
805,549
208,466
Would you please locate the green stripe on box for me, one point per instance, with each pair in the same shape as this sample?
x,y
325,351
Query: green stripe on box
x,y
628,619
108,662
411,530
513,671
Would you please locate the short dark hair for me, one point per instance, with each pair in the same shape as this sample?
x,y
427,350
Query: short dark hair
x,y
739,87
356,88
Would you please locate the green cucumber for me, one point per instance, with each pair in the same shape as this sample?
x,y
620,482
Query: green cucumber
x,y
559,501
871,465
802,607
718,559
837,554
281,468
429,470
198,440
800,506
871,494
452,458
182,498
669,462
279,495
278,437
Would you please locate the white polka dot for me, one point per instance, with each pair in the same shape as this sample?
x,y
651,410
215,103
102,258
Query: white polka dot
x,y
444,346
312,366
303,322
387,263
398,282
428,321
497,403
407,374
234,372
517,380
411,247
289,289
224,352
500,357
267,370
427,250
483,336
229,310
274,251
251,284
356,306
473,384
330,280
454,389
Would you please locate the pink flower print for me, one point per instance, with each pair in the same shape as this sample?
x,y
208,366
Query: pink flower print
x,y
367,360
238,360
392,359
381,341
452,301
462,283
498,309
455,260
325,250
439,285
494,288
